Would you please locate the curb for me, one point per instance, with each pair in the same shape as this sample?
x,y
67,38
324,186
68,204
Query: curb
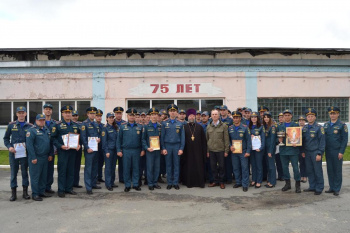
x,y
82,166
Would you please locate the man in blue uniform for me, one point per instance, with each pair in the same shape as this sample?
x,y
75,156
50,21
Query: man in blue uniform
x,y
238,131
172,144
100,155
152,129
90,132
38,143
66,156
129,146
50,123
289,153
224,118
118,112
312,150
15,136
182,116
204,124
198,116
77,164
336,141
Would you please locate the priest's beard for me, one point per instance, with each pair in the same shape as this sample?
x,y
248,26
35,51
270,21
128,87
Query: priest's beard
x,y
191,121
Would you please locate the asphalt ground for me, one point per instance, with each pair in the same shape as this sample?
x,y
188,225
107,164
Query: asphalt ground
x,y
185,210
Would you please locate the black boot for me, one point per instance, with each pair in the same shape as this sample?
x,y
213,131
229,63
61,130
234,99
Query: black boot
x,y
25,192
297,187
14,194
286,186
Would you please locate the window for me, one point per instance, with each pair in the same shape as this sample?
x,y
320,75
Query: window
x,y
5,113
298,106
8,109
198,104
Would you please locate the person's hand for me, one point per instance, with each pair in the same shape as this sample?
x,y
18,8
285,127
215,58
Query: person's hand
x,y
78,148
107,155
294,144
258,150
165,152
120,154
98,140
232,148
180,152
34,161
303,155
269,154
150,149
12,150
226,154
63,147
318,158
340,156
142,153
50,158
207,155
246,155
90,150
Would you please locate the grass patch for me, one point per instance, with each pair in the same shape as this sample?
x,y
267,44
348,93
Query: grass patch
x,y
4,158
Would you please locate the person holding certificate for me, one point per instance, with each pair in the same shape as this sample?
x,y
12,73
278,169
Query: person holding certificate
x,y
240,146
38,141
129,146
289,153
270,148
66,155
257,132
90,135
109,137
14,140
151,144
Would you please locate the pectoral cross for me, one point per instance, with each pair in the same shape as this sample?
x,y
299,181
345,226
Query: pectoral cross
x,y
192,137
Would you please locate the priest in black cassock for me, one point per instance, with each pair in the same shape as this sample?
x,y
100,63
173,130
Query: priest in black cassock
x,y
194,157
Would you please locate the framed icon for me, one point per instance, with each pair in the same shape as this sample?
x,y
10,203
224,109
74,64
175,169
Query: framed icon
x,y
294,136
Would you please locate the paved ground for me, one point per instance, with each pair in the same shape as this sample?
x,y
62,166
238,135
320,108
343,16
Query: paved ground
x,y
186,210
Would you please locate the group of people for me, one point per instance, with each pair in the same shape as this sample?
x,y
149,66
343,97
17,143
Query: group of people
x,y
184,146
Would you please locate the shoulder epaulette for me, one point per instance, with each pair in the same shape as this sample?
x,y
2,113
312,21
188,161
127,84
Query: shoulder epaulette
x,y
58,122
12,122
30,124
123,123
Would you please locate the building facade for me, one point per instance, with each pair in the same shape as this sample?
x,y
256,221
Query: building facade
x,y
197,78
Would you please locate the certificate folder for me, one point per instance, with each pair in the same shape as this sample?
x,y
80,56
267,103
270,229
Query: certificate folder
x,y
237,144
154,142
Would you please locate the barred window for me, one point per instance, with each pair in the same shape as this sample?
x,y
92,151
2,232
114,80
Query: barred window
x,y
298,106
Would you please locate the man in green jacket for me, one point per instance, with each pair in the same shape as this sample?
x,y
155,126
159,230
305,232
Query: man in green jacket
x,y
218,148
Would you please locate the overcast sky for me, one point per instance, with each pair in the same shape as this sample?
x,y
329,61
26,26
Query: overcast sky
x,y
165,23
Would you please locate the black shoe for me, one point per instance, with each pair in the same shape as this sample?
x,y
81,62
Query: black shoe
x,y
329,191
71,192
169,187
137,188
77,186
101,180
297,187
151,188
176,187
157,186
287,186
269,186
127,189
61,194
245,189
257,187
14,194
336,193
37,198
89,192
44,195
49,191
252,185
317,193
114,186
237,186
96,187
309,190
110,188
25,193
